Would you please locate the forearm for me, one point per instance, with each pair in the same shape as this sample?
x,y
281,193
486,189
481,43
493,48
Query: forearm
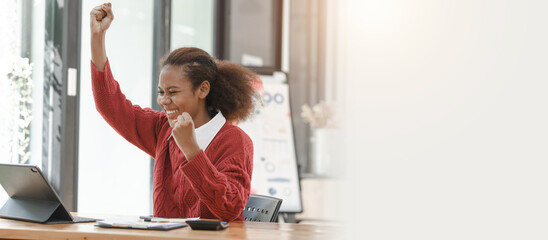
x,y
137,125
98,51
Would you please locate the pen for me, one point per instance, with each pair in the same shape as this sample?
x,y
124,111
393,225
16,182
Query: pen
x,y
170,220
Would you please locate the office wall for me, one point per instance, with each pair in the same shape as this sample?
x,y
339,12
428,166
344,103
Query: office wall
x,y
446,118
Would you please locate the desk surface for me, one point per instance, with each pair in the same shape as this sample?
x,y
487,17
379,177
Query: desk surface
x,y
12,229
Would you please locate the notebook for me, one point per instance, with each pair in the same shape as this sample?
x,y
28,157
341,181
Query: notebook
x,y
32,198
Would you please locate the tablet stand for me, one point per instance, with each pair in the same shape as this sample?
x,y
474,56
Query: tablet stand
x,y
32,210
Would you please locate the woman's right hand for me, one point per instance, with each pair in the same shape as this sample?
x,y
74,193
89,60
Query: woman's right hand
x,y
100,18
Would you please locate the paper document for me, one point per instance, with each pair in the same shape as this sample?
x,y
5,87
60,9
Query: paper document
x,y
139,224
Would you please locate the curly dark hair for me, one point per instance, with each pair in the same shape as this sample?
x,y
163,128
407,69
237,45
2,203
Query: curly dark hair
x,y
231,90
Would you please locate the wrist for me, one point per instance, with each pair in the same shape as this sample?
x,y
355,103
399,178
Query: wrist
x,y
191,152
98,35
97,38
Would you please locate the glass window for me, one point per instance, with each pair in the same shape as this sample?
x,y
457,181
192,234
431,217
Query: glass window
x,y
114,175
192,24
10,49
21,82
252,33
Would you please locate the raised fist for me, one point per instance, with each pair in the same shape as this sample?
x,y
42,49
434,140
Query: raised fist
x,y
100,18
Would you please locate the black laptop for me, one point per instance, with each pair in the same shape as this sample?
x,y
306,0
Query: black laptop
x,y
32,198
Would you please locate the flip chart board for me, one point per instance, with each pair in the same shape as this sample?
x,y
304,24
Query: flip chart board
x,y
275,170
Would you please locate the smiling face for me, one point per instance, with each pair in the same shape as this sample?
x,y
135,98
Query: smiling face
x,y
177,95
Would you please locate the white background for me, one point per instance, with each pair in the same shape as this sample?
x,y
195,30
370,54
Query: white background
x,y
446,119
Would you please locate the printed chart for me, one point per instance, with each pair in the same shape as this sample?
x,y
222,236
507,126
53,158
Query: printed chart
x,y
271,130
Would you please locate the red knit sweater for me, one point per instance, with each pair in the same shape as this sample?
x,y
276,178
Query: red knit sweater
x,y
215,184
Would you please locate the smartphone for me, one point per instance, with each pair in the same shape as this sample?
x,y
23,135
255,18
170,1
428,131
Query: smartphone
x,y
207,224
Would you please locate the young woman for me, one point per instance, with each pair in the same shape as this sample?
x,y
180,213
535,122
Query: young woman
x,y
203,164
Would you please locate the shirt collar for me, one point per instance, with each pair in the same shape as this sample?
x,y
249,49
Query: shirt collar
x,y
206,132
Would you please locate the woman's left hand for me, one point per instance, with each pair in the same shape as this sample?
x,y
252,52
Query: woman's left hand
x,y
184,136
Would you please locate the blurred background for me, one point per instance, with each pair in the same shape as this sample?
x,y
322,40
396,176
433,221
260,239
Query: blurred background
x,y
437,109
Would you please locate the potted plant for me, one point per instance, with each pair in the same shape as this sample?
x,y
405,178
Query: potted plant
x,y
323,147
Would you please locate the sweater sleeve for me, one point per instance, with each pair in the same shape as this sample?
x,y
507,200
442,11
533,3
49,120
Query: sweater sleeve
x,y
137,125
225,186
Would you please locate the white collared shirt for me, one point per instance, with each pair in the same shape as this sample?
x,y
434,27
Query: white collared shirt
x,y
206,132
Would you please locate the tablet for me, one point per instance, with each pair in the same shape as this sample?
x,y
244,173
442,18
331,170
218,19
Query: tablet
x,y
32,198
